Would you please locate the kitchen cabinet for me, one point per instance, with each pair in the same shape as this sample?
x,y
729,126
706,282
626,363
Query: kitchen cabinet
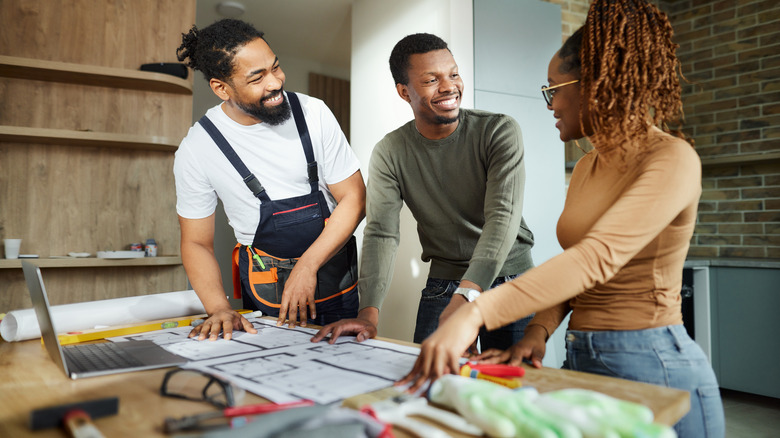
x,y
744,297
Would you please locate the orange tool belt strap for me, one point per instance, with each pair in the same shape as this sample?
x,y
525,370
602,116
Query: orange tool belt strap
x,y
237,276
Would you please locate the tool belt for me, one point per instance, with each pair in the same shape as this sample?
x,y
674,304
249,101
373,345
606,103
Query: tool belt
x,y
263,276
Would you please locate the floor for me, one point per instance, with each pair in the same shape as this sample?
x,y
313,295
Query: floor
x,y
750,416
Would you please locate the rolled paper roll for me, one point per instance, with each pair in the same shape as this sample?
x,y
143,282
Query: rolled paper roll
x,y
20,325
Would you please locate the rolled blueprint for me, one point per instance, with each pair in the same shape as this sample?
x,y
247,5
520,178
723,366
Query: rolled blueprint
x,y
20,325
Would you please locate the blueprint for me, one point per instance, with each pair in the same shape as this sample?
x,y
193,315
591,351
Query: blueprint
x,y
282,364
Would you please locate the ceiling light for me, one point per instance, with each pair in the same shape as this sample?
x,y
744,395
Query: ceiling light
x,y
230,9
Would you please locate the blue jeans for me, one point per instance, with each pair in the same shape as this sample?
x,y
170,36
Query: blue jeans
x,y
664,356
436,296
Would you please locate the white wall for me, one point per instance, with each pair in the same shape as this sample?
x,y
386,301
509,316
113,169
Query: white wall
x,y
514,42
377,109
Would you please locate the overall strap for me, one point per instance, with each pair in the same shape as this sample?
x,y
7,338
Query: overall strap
x,y
303,133
249,178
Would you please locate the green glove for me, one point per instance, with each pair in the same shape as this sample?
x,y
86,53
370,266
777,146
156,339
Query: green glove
x,y
569,413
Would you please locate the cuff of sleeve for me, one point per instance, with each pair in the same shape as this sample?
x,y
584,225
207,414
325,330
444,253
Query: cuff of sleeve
x,y
547,330
481,272
363,305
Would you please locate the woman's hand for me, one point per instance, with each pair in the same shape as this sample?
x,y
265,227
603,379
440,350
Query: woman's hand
x,y
531,347
440,352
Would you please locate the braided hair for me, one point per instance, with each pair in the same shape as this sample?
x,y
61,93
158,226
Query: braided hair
x,y
628,72
211,50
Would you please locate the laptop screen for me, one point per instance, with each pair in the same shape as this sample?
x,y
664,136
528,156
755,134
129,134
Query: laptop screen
x,y
32,274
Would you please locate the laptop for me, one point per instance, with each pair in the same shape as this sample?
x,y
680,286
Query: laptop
x,y
90,360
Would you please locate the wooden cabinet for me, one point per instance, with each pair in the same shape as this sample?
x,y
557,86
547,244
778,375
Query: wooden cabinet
x,y
87,142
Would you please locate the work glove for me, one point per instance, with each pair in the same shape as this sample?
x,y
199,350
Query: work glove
x,y
569,413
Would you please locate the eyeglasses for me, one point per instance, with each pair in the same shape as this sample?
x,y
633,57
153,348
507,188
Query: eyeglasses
x,y
198,386
548,92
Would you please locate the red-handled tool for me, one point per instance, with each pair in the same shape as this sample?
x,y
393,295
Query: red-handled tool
x,y
498,370
197,422
263,408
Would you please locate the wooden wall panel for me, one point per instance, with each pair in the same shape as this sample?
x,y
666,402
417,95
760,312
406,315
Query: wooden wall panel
x,y
335,93
61,198
41,104
65,285
110,33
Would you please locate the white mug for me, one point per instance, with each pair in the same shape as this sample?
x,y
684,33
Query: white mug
x,y
12,248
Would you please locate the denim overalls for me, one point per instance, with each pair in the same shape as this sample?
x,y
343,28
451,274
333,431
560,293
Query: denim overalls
x,y
286,230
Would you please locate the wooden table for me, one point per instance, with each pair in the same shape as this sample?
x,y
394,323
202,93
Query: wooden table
x,y
30,380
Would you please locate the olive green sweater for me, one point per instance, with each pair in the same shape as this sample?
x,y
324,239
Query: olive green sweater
x,y
466,194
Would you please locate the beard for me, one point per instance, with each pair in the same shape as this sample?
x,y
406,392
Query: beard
x,y
444,120
274,115
441,120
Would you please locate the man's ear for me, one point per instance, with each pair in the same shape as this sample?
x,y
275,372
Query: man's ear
x,y
403,91
220,88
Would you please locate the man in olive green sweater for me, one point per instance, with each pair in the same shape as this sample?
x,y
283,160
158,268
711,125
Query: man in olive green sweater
x,y
462,175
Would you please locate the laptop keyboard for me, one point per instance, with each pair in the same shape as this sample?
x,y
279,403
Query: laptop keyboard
x,y
98,357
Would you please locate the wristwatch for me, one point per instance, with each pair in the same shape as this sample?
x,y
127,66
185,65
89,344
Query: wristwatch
x,y
468,293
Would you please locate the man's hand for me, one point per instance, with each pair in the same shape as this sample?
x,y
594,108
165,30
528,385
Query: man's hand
x,y
363,327
298,296
532,347
197,254
224,321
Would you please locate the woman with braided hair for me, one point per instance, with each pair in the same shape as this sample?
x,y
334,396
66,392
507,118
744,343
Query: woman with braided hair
x,y
625,227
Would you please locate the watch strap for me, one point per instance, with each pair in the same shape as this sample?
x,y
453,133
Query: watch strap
x,y
468,293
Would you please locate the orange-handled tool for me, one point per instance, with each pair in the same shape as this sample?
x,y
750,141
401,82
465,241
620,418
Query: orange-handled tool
x,y
509,382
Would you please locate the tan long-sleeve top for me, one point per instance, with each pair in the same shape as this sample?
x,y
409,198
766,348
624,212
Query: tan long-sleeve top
x,y
625,231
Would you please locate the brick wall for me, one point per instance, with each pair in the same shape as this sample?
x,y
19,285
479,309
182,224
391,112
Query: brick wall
x,y
573,13
730,53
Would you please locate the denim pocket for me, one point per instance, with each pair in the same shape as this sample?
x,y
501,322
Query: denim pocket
x,y
641,366
712,410
437,289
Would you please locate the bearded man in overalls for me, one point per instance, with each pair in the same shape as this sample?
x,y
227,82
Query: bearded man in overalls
x,y
289,182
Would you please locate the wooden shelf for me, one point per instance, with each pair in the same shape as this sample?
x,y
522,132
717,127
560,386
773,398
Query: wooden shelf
x,y
53,71
92,262
66,137
741,159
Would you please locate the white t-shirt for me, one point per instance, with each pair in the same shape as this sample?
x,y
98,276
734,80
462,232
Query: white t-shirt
x,y
274,154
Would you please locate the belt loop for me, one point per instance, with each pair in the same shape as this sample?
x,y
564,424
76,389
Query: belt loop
x,y
677,342
591,348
